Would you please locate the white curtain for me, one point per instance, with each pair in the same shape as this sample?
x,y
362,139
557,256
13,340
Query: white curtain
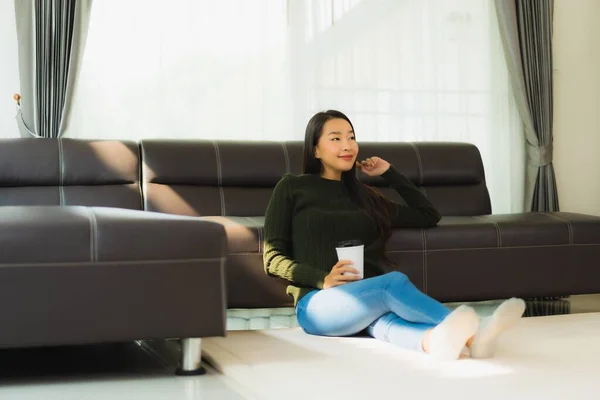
x,y
9,70
402,70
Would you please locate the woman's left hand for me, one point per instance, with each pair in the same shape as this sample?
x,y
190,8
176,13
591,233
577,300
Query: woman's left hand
x,y
373,166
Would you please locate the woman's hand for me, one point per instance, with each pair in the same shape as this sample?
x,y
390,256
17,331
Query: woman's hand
x,y
336,277
373,166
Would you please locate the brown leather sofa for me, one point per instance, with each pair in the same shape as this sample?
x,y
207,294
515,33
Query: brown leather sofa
x,y
81,262
472,254
114,240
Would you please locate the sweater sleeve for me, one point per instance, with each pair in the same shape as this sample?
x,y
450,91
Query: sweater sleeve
x,y
278,241
418,212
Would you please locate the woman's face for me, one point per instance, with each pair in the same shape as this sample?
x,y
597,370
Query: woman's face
x,y
336,149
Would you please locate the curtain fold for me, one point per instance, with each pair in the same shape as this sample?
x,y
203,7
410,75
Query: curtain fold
x,y
526,30
51,36
9,70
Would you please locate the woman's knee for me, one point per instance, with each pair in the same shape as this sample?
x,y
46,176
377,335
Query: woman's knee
x,y
396,279
397,276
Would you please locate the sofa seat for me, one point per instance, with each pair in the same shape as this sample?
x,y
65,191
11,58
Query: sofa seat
x,y
76,274
247,284
495,256
498,256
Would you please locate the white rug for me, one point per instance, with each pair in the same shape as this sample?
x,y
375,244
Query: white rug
x,y
555,357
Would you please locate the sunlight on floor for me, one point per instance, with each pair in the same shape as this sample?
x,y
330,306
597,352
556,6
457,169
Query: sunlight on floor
x,y
466,368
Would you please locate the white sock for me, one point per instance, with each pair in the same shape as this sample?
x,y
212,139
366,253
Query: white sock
x,y
504,317
447,339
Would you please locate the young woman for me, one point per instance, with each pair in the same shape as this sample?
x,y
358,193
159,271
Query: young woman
x,y
308,214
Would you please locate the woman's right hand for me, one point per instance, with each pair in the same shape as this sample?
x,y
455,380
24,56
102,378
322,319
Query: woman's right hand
x,y
336,277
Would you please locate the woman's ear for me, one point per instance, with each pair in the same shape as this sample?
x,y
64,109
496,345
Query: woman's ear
x,y
316,152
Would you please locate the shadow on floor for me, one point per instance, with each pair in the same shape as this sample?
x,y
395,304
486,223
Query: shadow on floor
x,y
74,363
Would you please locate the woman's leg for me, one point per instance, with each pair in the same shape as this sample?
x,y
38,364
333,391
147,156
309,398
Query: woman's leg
x,y
347,309
393,329
445,340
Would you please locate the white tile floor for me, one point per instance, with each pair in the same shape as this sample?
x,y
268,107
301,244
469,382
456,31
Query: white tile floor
x,y
145,370
550,357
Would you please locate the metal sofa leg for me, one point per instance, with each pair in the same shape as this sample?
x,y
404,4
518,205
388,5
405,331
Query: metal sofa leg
x,y
191,357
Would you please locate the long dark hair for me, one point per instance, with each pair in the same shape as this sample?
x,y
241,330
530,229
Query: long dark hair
x,y
368,200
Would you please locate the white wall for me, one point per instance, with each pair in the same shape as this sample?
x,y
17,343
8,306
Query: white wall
x,y
577,104
9,71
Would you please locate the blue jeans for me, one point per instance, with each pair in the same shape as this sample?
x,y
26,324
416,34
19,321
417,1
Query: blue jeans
x,y
389,307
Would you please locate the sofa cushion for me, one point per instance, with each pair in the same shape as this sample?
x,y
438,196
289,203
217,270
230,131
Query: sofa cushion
x,y
74,274
90,234
102,173
244,234
247,284
207,178
450,174
500,231
70,172
499,256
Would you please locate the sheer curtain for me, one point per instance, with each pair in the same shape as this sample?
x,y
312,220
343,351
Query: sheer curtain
x,y
403,70
9,70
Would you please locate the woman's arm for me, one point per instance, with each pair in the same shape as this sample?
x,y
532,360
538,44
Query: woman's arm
x,y
278,241
418,212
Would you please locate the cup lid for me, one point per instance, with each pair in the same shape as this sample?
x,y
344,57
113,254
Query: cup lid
x,y
349,243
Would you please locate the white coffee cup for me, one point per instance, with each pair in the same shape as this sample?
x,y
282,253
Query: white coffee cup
x,y
352,250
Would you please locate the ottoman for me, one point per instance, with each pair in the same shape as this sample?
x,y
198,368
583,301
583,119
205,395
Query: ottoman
x,y
78,275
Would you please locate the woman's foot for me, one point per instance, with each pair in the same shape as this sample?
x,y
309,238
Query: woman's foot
x,y
447,339
504,317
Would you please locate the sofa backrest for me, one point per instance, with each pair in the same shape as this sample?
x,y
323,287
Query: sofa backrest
x,y
201,178
197,177
450,174
70,172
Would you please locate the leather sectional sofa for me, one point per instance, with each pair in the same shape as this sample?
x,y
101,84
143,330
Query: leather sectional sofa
x,y
472,255
81,262
115,240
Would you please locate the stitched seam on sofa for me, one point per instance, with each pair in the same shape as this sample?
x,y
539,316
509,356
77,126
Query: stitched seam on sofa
x,y
287,157
261,235
245,253
569,226
219,177
257,226
134,262
144,188
541,246
223,275
222,195
419,163
498,232
61,169
424,241
142,181
93,236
